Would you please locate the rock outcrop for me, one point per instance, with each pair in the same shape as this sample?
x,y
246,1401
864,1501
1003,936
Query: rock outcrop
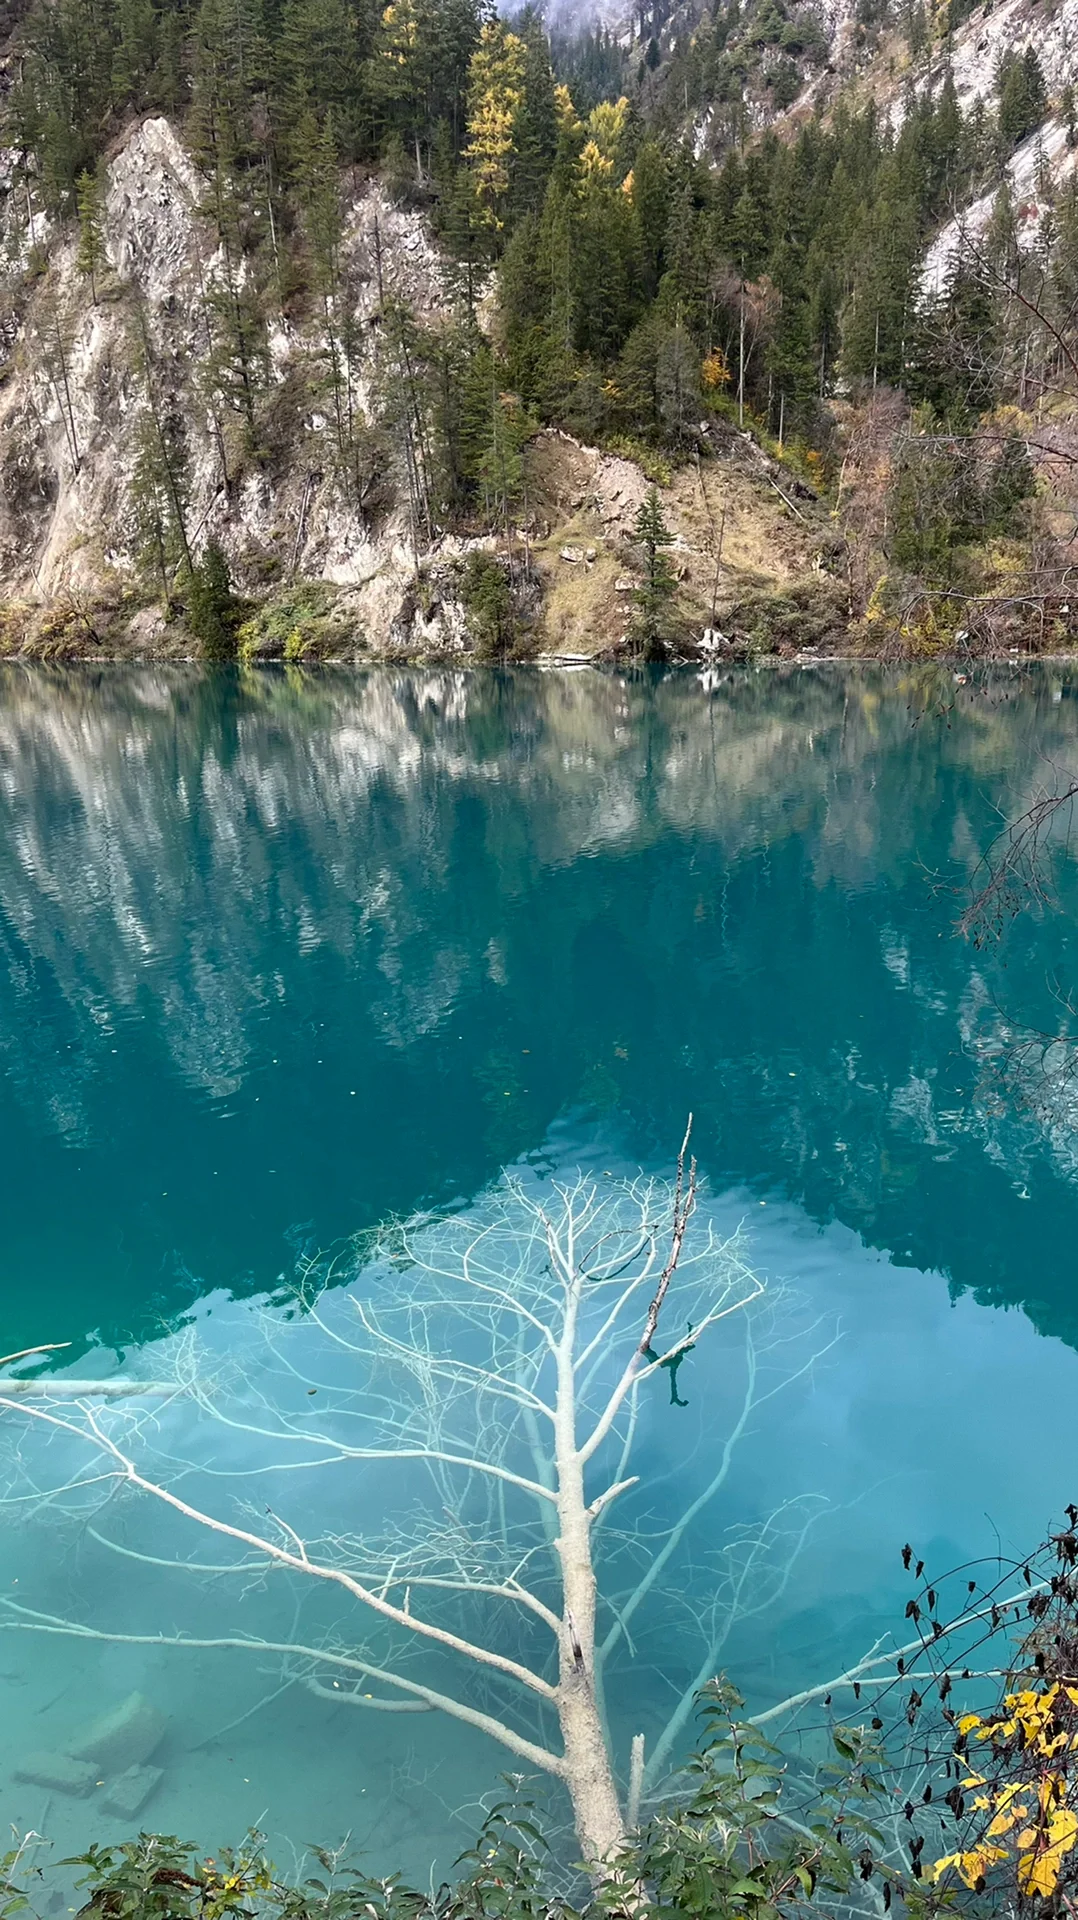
x,y
76,385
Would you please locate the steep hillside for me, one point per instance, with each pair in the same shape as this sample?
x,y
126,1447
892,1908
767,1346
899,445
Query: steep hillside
x,y
332,329
91,370
80,398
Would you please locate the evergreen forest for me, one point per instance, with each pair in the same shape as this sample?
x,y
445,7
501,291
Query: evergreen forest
x,y
657,239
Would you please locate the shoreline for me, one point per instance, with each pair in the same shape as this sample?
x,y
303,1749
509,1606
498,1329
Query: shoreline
x,y
542,662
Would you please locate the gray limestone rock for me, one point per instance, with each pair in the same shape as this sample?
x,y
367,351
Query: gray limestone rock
x,y
124,1738
58,1772
127,1796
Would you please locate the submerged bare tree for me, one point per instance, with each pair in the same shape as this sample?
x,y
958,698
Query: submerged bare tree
x,y
481,1384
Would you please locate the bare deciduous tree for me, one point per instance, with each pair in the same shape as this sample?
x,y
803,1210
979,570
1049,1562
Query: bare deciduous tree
x,y
479,1386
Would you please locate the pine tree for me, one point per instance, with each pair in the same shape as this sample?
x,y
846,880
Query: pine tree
x,y
315,168
156,498
401,75
53,342
677,379
500,470
322,65
824,319
536,131
91,254
636,376
654,597
1036,90
603,280
650,188
136,52
1023,97
213,612
160,464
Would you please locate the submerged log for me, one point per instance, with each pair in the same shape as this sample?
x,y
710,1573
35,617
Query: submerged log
x,y
62,1387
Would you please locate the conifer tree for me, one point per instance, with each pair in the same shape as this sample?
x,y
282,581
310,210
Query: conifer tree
x,y
636,376
53,340
213,611
136,52
654,597
650,190
159,486
824,319
677,378
321,59
1023,97
155,495
536,129
401,76
91,254
495,99
453,28
315,165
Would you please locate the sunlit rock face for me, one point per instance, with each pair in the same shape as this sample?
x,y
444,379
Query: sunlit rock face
x,y
69,412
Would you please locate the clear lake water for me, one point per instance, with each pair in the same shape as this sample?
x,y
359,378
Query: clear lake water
x,y
284,956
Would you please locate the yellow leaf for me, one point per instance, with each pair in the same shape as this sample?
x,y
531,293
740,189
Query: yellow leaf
x,y
972,1866
1038,1873
965,1725
1063,1830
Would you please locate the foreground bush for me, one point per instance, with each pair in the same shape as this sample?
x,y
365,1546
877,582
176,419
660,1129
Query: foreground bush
x,y
728,1846
956,1792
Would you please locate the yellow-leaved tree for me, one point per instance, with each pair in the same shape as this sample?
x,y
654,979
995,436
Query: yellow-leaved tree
x,y
495,97
607,129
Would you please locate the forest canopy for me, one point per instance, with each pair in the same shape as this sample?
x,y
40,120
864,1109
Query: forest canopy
x,y
659,268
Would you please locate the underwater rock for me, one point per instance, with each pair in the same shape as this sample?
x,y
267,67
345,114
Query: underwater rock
x,y
124,1738
128,1795
59,1772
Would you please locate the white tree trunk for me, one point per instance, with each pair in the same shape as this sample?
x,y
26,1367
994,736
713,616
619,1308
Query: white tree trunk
x,y
588,1772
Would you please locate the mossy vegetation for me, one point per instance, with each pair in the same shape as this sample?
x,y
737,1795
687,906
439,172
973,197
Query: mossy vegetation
x,y
294,624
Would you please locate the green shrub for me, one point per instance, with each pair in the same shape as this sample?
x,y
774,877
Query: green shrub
x,y
213,611
487,597
727,1847
804,613
293,625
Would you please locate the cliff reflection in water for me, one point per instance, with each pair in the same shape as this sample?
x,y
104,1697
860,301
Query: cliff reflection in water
x,y
282,954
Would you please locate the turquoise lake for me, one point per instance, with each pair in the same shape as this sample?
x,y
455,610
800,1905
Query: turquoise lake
x,y
284,956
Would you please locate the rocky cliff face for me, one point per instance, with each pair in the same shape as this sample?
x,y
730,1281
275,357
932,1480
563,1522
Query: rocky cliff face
x,y
877,65
85,358
75,385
